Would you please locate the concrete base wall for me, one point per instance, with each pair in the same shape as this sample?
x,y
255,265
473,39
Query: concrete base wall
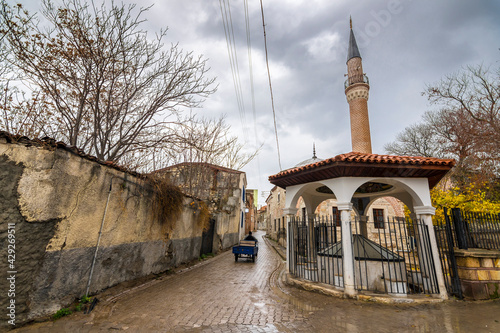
x,y
64,275
230,240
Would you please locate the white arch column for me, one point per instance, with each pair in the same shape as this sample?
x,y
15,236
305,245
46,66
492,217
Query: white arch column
x,y
289,213
347,253
425,214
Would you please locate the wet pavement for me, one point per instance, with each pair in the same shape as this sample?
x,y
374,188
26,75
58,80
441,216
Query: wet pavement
x,y
221,295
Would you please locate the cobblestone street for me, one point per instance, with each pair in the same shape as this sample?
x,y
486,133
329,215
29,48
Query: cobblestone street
x,y
221,295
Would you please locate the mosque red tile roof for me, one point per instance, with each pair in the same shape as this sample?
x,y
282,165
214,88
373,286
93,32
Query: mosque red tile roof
x,y
356,164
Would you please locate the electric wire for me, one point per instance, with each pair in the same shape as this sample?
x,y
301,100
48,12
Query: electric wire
x,y
230,54
250,66
233,60
270,85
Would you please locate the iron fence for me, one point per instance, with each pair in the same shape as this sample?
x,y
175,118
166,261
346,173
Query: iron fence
x,y
395,258
445,236
463,230
305,245
482,230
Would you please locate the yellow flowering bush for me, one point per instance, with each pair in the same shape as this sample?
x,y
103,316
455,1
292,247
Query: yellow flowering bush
x,y
471,198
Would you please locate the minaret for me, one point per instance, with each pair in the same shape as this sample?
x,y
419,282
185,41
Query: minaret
x,y
356,91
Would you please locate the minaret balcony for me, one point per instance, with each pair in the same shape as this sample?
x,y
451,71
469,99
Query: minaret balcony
x,y
361,78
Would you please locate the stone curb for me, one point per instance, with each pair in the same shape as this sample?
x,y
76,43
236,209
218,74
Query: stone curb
x,y
331,291
280,250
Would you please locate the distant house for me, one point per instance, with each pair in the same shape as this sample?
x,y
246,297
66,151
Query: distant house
x,y
262,220
222,189
275,217
251,210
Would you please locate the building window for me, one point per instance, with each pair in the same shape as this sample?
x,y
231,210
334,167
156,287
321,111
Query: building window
x,y
303,213
336,216
378,218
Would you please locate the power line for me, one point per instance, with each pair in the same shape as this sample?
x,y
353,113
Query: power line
x,y
250,66
233,60
270,85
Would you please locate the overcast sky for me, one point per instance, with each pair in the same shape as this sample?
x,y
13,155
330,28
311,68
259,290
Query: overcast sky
x,y
404,46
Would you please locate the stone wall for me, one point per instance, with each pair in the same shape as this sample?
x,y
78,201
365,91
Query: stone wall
x,y
57,201
479,273
275,205
221,189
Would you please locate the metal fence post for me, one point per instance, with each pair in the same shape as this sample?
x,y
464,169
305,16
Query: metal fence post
x,y
460,229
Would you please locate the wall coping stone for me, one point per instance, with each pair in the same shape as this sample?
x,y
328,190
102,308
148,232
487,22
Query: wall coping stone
x,y
477,253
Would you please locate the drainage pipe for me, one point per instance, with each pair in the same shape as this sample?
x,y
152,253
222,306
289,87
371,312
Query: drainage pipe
x,y
99,238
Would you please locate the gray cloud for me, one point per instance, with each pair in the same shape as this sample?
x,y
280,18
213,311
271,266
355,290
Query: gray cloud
x,y
404,44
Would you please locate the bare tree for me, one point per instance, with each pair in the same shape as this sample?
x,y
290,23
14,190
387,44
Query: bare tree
x,y
476,91
465,127
31,117
416,140
114,92
210,141
202,140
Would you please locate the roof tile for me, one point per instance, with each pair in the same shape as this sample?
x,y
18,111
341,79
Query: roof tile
x,y
358,159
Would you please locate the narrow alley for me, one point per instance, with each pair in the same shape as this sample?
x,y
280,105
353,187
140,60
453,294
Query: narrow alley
x,y
221,295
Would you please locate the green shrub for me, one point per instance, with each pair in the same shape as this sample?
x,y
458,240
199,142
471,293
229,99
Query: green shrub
x,y
61,313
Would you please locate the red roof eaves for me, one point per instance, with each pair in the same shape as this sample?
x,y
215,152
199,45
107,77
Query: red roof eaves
x,y
374,160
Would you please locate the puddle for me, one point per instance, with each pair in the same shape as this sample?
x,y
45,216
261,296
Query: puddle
x,y
275,282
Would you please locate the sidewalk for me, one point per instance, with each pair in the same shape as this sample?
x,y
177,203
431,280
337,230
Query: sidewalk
x,y
278,248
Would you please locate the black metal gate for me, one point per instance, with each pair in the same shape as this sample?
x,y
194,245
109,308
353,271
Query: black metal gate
x,y
445,238
207,239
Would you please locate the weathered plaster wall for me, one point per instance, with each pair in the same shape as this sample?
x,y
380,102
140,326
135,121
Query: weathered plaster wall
x,y
29,243
57,201
221,189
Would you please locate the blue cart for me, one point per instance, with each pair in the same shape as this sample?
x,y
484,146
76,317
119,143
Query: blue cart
x,y
247,248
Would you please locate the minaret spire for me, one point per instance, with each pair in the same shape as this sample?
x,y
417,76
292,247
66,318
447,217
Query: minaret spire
x,y
314,150
353,50
356,91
